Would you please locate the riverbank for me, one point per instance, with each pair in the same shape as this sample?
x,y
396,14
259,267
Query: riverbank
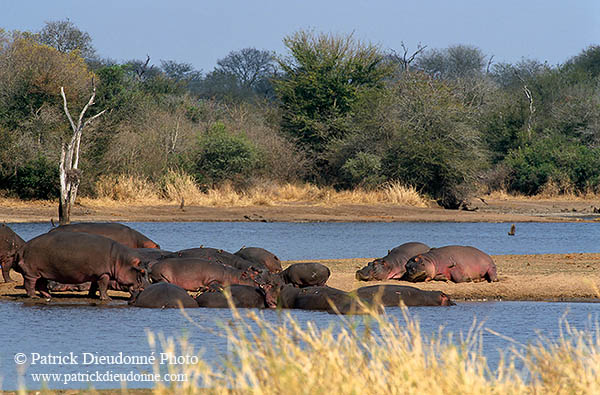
x,y
484,209
544,277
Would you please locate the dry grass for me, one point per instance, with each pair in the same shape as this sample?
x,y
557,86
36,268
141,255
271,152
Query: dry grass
x,y
389,357
178,186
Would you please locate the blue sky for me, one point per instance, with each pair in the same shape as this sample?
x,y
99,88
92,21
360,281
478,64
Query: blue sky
x,y
201,32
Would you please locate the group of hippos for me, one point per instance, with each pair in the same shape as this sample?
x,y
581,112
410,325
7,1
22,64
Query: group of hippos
x,y
96,257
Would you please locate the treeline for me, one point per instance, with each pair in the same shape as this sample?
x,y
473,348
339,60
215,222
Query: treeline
x,y
332,111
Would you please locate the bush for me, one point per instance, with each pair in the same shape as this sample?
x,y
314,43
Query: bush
x,y
362,170
36,179
553,160
224,156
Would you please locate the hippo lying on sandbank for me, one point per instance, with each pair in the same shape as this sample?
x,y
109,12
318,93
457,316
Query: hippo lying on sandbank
x,y
452,263
391,266
261,258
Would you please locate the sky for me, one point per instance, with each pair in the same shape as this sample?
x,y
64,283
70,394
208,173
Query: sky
x,y
201,32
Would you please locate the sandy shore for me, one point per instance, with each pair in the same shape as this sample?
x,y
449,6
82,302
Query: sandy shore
x,y
548,277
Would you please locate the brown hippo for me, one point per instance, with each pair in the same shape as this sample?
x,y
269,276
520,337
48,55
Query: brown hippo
x,y
306,274
261,258
242,296
217,256
10,242
394,295
118,232
327,299
164,295
75,258
452,263
194,274
391,266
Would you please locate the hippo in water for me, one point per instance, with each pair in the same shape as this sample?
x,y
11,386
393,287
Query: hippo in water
x,y
164,295
242,296
114,231
10,242
75,258
395,295
261,258
306,274
452,263
391,266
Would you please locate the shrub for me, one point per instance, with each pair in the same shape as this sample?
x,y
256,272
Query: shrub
x,y
224,156
36,179
362,170
553,159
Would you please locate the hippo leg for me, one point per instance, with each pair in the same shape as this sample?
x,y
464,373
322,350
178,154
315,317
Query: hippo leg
x,y
102,284
42,286
29,284
6,271
491,274
93,289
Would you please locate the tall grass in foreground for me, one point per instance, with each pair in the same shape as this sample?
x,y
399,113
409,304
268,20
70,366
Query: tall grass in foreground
x,y
176,186
387,357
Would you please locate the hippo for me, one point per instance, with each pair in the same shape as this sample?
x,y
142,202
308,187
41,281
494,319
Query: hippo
x,y
75,258
323,298
242,296
194,274
163,295
10,242
391,266
153,254
452,263
216,255
306,274
118,232
260,257
394,295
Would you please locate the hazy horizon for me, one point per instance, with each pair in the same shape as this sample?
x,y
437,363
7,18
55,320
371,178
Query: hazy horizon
x,y
200,34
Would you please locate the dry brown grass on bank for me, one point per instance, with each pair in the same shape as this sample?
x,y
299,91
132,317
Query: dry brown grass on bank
x,y
549,192
175,187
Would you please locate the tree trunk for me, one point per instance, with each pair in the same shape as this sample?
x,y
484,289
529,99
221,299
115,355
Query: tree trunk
x,y
70,176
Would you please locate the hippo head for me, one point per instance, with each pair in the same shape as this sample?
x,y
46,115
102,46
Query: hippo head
x,y
380,269
445,300
419,269
270,285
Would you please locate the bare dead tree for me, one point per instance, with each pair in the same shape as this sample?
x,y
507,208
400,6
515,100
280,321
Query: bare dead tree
x,y
529,96
405,59
70,175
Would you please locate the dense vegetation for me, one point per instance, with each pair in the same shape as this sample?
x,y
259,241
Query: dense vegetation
x,y
332,111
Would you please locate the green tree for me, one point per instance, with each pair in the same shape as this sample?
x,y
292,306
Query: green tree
x,y
323,79
66,37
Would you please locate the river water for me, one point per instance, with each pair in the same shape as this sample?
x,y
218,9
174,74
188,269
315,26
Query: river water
x,y
86,332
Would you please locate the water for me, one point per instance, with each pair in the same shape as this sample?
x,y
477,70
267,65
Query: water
x,y
108,331
88,332
322,240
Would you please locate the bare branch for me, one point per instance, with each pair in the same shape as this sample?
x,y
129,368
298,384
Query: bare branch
x,y
62,93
